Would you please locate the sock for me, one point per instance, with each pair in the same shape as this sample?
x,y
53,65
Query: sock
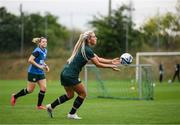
x,y
77,103
40,97
59,101
21,93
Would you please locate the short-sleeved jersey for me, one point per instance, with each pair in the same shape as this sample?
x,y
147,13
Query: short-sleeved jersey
x,y
40,57
74,68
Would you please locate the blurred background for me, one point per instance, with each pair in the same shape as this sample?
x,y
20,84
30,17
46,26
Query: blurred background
x,y
120,25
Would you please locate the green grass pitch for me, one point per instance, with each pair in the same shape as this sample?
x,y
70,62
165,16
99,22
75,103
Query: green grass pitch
x,y
164,109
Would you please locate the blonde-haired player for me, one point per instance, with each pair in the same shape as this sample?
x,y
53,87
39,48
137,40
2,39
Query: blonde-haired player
x,y
35,73
69,77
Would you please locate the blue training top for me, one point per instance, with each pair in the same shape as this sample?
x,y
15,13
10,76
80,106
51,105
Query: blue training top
x,y
40,57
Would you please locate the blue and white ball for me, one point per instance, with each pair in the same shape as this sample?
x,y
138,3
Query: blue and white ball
x,y
126,59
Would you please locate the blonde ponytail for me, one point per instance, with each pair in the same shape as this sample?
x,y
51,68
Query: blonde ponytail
x,y
83,51
80,44
36,40
76,48
86,35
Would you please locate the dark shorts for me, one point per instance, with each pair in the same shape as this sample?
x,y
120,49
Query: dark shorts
x,y
68,80
35,77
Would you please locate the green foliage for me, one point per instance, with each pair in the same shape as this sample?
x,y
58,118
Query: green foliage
x,y
57,34
9,31
35,25
112,33
160,32
163,28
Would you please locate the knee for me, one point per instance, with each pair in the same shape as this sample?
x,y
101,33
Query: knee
x,y
83,95
30,90
43,89
70,95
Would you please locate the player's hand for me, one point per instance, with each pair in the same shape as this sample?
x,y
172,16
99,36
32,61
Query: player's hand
x,y
116,61
42,67
116,69
47,68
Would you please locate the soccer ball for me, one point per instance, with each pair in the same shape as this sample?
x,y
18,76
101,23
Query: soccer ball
x,y
132,88
169,81
126,59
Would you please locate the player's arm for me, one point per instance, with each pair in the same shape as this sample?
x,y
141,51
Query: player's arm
x,y
114,61
31,61
96,61
47,67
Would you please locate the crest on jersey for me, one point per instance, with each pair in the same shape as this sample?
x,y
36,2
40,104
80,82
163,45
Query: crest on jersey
x,y
34,79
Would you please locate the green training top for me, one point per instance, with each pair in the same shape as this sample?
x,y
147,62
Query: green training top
x,y
74,68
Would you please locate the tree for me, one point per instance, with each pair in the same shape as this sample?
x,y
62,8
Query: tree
x,y
9,31
161,29
111,32
35,25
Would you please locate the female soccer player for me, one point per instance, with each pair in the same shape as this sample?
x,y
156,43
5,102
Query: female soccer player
x,y
35,72
70,74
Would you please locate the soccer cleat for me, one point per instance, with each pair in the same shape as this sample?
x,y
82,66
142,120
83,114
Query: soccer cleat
x,y
13,100
49,110
73,116
41,107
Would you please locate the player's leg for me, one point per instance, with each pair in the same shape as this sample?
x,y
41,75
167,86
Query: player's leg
x,y
80,90
160,78
60,100
23,92
63,98
42,86
174,77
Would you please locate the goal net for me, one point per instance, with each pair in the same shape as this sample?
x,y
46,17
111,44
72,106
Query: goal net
x,y
106,83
